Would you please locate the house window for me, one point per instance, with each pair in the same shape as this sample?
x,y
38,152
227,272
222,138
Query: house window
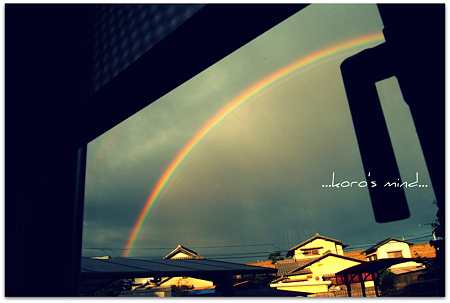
x,y
395,254
311,252
371,258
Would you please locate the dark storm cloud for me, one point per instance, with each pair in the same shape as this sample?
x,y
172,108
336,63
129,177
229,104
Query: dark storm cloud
x,y
269,171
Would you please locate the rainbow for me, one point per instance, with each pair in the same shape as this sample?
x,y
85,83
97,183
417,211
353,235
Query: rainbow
x,y
283,74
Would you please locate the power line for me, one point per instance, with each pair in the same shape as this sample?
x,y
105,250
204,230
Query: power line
x,y
196,247
428,236
114,252
405,239
240,255
211,258
220,256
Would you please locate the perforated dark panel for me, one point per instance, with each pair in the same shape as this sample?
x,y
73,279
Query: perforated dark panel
x,y
122,33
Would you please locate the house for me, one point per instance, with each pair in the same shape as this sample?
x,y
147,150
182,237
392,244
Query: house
x,y
421,250
169,286
192,284
311,266
394,248
316,246
391,248
388,248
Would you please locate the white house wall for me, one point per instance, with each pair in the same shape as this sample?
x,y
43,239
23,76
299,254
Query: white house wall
x,y
327,245
181,255
331,265
188,281
314,281
382,252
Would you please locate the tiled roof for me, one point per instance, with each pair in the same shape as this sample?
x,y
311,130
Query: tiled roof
x,y
421,250
381,243
355,255
284,267
298,267
262,264
317,236
302,267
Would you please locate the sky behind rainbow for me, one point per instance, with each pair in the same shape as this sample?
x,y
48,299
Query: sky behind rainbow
x,y
284,74
257,176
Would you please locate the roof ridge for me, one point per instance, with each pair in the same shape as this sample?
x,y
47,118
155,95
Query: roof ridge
x,y
302,267
186,250
387,240
316,236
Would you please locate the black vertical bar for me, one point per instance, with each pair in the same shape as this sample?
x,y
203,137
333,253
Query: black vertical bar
x,y
375,279
227,285
360,73
45,53
77,236
347,284
416,33
363,287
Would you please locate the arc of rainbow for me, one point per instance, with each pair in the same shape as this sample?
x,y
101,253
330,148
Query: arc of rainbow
x,y
280,75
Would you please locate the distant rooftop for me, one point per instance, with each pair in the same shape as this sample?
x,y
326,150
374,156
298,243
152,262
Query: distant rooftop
x,y
381,243
291,251
181,249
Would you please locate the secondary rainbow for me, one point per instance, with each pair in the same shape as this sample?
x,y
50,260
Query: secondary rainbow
x,y
258,88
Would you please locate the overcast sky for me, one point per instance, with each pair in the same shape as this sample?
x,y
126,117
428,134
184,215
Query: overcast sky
x,y
257,178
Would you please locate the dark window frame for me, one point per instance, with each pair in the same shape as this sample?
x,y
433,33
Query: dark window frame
x,y
310,252
48,109
395,254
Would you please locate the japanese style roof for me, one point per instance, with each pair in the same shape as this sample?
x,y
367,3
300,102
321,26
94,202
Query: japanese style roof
x,y
181,249
381,243
284,267
325,255
298,267
263,264
291,251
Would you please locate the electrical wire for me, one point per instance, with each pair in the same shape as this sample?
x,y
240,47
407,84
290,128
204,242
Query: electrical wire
x,y
239,255
196,247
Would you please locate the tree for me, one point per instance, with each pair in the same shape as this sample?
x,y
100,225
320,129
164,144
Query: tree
x,y
256,281
388,282
114,289
439,224
275,256
439,244
181,289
